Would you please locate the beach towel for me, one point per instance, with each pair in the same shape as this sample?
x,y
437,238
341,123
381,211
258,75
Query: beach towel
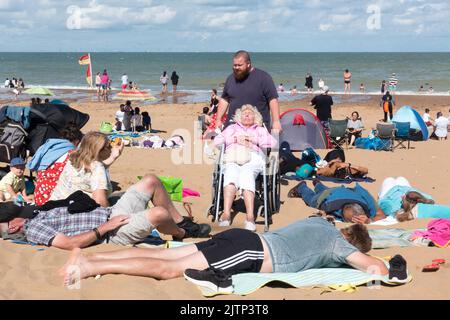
x,y
341,279
388,221
330,179
389,238
190,193
438,231
48,153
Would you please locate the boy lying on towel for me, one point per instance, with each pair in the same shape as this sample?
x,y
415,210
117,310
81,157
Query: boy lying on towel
x,y
305,244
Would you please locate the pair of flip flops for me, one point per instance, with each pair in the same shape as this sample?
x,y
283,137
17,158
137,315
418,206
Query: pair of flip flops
x,y
434,266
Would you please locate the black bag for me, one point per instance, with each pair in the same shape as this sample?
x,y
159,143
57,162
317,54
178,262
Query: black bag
x,y
12,141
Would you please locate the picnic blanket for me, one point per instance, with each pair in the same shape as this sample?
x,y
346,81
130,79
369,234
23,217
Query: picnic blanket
x,y
340,279
330,179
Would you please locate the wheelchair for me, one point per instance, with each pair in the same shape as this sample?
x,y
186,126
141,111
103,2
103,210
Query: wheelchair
x,y
267,190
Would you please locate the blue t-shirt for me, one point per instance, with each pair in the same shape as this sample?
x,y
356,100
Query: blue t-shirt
x,y
391,202
340,196
307,244
257,89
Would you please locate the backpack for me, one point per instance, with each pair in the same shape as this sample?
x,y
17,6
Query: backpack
x,y
12,142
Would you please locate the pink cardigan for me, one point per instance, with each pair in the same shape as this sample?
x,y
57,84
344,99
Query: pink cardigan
x,y
260,137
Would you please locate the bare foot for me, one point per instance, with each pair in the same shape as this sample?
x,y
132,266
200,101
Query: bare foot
x,y
75,269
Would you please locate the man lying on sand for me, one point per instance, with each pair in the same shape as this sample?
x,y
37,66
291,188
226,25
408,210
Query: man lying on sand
x,y
345,204
130,221
305,244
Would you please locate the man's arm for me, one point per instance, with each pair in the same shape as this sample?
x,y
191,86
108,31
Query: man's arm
x,y
221,109
275,112
87,238
367,263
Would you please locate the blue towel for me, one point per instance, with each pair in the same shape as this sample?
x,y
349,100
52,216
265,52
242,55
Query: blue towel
x,y
332,179
19,114
48,153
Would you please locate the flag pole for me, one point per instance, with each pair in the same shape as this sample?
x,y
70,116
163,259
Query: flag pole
x,y
90,67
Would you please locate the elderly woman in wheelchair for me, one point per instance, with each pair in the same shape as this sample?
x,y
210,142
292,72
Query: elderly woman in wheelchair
x,y
243,160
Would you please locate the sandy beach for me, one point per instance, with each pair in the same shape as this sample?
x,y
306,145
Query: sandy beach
x,y
28,272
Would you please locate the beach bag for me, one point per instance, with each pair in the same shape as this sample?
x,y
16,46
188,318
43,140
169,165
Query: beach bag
x,y
106,127
12,142
174,187
237,154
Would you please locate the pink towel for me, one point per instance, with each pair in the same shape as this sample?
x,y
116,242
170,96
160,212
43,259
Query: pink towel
x,y
190,193
438,232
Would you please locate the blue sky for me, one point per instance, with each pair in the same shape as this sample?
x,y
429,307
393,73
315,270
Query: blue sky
x,y
225,25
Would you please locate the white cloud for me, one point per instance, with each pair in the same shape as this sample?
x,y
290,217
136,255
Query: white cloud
x,y
342,18
228,20
326,27
99,16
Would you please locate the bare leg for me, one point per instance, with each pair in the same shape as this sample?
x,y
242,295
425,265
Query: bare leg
x,y
159,253
249,199
163,221
148,267
229,193
150,184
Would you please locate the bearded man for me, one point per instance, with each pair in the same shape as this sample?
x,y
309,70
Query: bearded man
x,y
249,85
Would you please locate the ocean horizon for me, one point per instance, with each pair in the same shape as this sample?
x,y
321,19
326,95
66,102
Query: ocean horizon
x,y
201,71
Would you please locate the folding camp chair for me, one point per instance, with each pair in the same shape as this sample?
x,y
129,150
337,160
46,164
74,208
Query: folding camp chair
x,y
338,133
386,132
402,134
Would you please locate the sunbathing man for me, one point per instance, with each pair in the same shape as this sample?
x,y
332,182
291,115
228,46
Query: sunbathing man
x,y
305,244
65,230
346,204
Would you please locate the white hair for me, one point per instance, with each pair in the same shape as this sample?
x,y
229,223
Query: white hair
x,y
258,116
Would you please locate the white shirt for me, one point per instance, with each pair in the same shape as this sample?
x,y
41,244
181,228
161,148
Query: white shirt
x,y
164,79
6,83
124,79
441,124
321,83
426,117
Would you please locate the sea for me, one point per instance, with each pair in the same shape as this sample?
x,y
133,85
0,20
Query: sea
x,y
200,72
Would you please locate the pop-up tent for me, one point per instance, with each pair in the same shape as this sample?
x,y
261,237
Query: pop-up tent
x,y
302,129
408,114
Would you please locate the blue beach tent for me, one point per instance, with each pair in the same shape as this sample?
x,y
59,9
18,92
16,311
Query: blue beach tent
x,y
408,114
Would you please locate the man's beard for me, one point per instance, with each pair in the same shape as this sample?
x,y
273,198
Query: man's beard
x,y
241,75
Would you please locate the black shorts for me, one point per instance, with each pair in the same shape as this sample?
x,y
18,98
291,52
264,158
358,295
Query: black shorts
x,y
347,81
234,251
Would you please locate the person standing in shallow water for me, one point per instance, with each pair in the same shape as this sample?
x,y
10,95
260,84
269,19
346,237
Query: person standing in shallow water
x,y
174,79
163,79
347,82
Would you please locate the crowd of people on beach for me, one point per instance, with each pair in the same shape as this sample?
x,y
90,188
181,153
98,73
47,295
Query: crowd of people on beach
x,y
16,85
73,205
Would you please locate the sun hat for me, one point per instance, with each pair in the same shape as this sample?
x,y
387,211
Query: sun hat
x,y
17,162
325,89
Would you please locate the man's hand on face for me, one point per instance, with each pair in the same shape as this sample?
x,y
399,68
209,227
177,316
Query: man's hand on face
x,y
361,219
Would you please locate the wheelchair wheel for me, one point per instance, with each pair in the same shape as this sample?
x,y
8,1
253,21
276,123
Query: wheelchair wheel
x,y
274,185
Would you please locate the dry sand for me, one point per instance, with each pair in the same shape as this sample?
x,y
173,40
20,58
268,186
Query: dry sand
x,y
29,273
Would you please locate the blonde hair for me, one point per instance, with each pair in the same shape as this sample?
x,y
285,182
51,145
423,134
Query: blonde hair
x,y
89,150
258,116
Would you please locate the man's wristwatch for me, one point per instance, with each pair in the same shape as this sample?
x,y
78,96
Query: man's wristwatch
x,y
97,234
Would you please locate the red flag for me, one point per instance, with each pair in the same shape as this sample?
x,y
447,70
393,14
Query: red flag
x,y
84,59
89,76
